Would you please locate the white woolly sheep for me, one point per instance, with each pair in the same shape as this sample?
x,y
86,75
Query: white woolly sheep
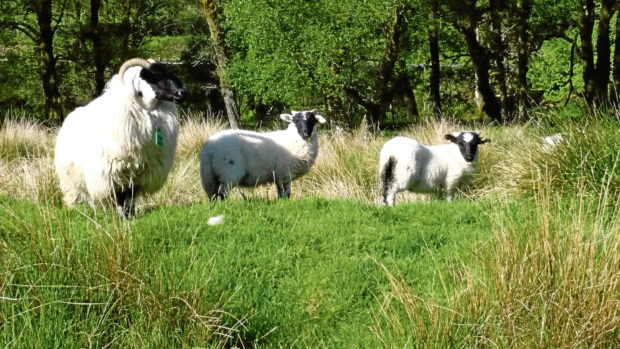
x,y
122,143
406,164
244,158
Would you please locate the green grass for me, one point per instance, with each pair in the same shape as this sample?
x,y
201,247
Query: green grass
x,y
528,256
293,271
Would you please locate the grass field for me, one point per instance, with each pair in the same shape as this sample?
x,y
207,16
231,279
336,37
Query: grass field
x,y
528,256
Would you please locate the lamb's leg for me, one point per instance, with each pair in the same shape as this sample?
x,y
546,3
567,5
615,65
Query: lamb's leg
x,y
284,188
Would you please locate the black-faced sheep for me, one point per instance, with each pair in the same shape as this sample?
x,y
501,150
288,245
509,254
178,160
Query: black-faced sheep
x,y
406,164
122,143
244,158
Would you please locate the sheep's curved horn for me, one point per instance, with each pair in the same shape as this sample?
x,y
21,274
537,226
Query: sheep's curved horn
x,y
132,63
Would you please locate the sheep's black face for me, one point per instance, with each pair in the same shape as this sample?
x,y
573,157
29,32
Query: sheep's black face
x,y
167,86
305,122
468,142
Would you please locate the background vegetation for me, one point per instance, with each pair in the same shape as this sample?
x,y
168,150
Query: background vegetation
x,y
393,62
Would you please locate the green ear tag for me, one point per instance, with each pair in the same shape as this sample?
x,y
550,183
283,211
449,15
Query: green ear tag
x,y
159,137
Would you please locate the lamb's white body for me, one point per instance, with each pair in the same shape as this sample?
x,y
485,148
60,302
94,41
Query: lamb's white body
x,y
423,168
110,143
245,158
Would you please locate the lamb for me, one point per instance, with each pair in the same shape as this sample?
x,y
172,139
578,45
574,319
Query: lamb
x,y
232,158
122,143
406,164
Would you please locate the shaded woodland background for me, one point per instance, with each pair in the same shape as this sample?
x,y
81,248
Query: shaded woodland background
x,y
391,62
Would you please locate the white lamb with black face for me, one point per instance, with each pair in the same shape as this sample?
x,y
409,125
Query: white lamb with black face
x,y
122,143
405,164
233,158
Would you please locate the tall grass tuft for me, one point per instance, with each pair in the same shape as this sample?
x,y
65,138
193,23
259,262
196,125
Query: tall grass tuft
x,y
91,276
26,168
589,153
550,277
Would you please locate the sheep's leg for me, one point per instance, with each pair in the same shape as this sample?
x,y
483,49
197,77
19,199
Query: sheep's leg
x,y
126,202
222,191
450,191
284,189
389,196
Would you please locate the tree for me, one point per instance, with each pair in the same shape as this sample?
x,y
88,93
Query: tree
x,y
387,81
466,19
596,74
36,21
221,58
615,88
95,37
433,40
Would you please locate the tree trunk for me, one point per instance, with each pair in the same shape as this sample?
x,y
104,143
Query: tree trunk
x,y
481,61
587,50
53,108
95,36
403,88
603,52
385,78
221,59
523,56
386,81
433,39
499,49
615,88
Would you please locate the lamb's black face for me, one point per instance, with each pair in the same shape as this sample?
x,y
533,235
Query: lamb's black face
x,y
167,86
468,142
305,122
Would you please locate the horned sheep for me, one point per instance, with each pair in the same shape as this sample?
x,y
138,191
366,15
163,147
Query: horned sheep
x,y
122,143
407,164
232,158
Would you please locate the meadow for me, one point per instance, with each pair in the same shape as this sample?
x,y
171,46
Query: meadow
x,y
527,256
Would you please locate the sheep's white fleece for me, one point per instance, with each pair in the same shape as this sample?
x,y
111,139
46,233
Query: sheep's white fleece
x,y
424,168
104,145
248,159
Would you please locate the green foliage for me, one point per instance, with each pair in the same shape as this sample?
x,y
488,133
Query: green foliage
x,y
298,52
549,71
283,54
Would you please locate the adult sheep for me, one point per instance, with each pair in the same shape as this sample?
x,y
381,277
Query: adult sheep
x,y
232,158
122,143
406,164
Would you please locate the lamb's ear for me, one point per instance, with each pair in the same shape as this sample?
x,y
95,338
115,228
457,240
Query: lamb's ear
x,y
450,137
319,118
286,117
484,140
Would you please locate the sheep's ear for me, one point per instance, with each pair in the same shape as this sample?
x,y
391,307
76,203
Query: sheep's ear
x,y
450,137
286,117
484,140
319,118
